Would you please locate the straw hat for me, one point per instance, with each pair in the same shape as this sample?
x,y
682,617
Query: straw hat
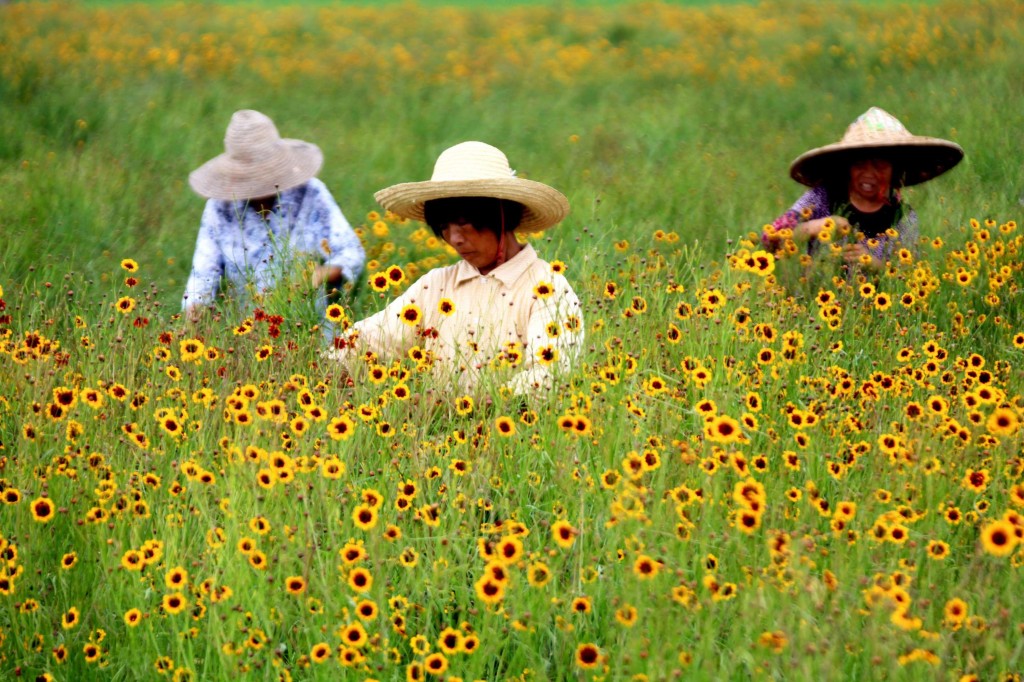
x,y
476,169
879,133
257,162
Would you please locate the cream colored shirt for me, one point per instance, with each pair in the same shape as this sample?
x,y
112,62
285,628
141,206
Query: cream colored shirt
x,y
517,326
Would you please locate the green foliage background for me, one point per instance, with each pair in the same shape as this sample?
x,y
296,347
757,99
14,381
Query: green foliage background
x,y
700,148
670,128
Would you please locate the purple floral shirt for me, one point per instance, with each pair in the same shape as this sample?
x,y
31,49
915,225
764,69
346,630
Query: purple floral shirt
x,y
817,203
236,243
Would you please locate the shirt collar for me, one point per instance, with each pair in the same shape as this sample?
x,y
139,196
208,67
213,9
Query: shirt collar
x,y
507,273
287,201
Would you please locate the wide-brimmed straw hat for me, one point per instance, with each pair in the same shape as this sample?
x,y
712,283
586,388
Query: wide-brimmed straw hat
x,y
257,161
476,169
879,133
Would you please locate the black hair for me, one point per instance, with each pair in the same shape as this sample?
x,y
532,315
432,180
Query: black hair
x,y
483,213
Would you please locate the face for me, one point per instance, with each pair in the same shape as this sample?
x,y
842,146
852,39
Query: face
x,y
871,178
479,248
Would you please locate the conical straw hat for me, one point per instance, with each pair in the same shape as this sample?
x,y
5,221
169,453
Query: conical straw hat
x,y
878,133
476,169
257,161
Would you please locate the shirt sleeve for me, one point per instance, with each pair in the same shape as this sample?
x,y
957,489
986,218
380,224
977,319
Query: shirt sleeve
x,y
908,230
338,243
545,355
384,333
811,205
207,263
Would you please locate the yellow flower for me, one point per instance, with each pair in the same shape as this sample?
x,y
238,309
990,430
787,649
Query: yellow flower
x,y
955,611
722,429
190,350
320,652
336,314
395,275
645,567
341,428
68,561
436,664
354,635
999,538
450,640
776,641
176,578
547,355
42,509
489,590
626,615
509,550
379,282
174,603
125,305
70,619
538,574
464,405
1003,422
588,656
332,468
360,580
505,426
411,315
563,534
364,516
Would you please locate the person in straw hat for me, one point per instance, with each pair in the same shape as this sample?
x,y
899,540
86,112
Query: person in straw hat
x,y
266,213
854,201
500,318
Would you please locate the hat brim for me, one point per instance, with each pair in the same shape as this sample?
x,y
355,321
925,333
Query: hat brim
x,y
292,163
918,159
544,206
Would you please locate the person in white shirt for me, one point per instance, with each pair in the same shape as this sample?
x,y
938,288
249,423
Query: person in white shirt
x,y
267,215
500,318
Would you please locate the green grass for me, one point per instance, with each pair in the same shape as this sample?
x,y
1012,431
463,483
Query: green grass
x,y
670,130
470,4
704,155
488,4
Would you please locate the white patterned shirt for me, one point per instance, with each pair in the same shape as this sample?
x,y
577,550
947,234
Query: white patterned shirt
x,y
253,252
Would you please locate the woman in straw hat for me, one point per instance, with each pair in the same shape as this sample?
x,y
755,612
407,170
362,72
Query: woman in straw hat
x,y
854,201
499,318
266,214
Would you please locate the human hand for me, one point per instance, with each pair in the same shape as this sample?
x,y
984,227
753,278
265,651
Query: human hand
x,y
338,369
325,274
840,222
812,228
193,314
335,355
858,254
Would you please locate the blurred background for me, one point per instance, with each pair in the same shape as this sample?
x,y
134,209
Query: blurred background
x,y
679,117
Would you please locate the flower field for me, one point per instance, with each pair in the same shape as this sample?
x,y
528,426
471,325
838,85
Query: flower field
x,y
755,471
